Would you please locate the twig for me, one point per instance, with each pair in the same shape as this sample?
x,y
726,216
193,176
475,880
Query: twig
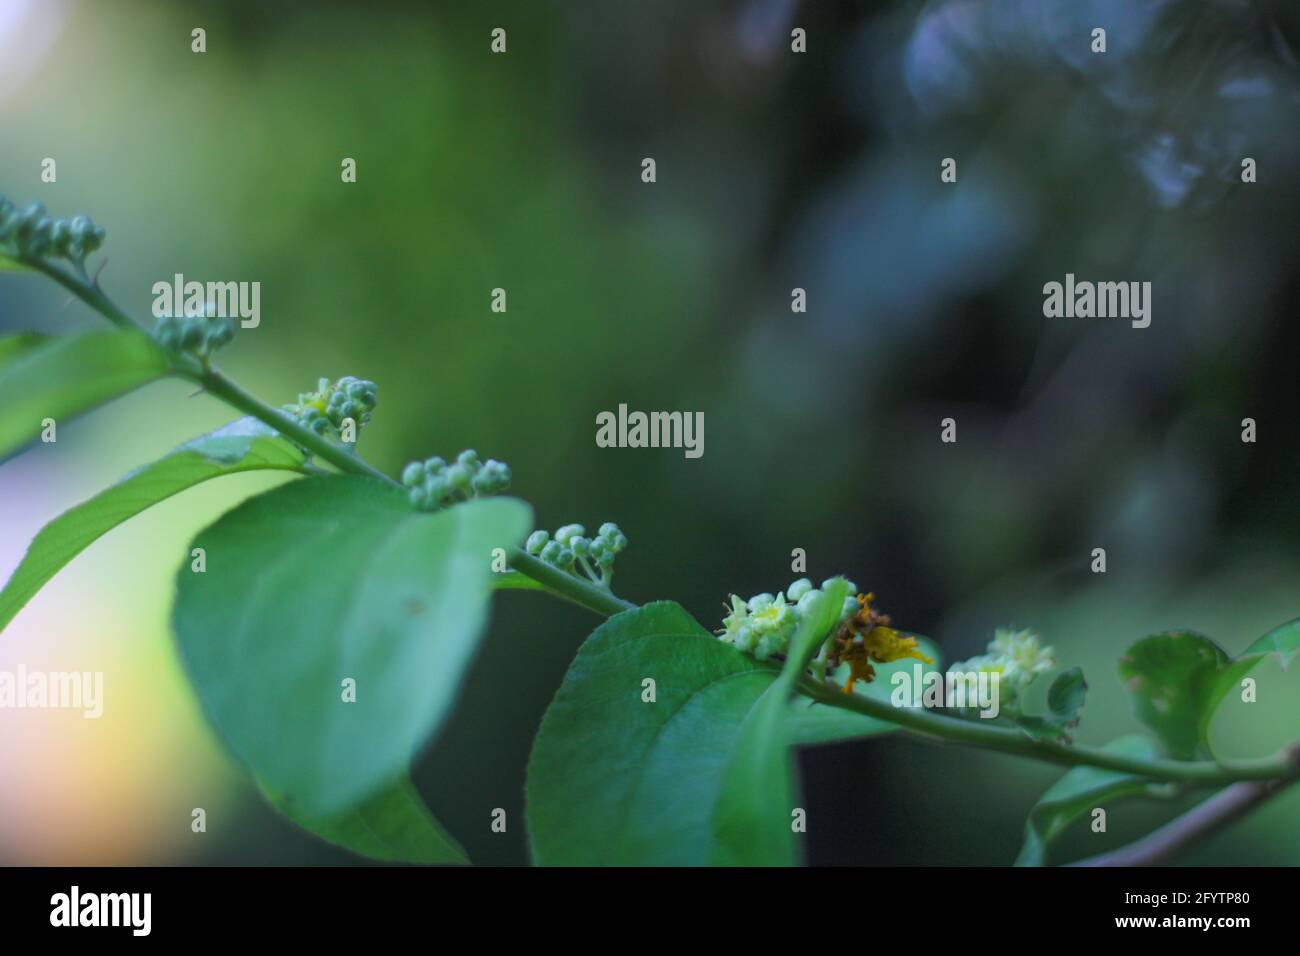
x,y
1222,809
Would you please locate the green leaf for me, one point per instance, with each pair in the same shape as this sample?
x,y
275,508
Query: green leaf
x,y
14,347
1177,681
326,580
1078,792
393,825
62,377
615,780
1052,704
1282,644
515,581
243,445
9,264
752,819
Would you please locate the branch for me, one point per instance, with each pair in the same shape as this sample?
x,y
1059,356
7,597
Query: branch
x,y
932,726
211,379
1203,820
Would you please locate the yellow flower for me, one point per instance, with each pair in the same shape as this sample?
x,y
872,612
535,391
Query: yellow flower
x,y
884,645
865,637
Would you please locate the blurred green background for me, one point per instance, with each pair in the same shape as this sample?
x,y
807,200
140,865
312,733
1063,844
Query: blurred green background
x,y
775,170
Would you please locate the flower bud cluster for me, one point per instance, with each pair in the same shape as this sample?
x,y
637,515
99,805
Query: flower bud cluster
x,y
1016,657
197,335
573,551
435,484
764,624
34,235
325,410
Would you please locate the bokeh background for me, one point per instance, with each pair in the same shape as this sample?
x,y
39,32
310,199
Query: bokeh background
x,y
775,170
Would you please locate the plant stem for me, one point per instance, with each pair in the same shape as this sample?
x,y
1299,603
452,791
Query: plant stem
x,y
1222,809
599,599
933,726
567,585
554,580
87,292
232,394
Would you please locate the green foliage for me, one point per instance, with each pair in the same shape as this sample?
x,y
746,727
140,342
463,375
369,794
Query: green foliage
x,y
393,825
243,445
325,580
63,377
14,347
332,625
1177,681
1078,792
1051,705
752,817
614,779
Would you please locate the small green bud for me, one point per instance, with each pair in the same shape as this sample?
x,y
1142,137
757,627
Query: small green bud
x,y
551,552
493,478
580,546
40,241
608,530
413,474
760,601
364,393
564,559
745,638
439,489
80,229
167,332
569,531
459,476
769,644
191,333
536,541
798,589
468,458
93,240
220,332
8,217
26,222
420,498
434,466
805,603
60,237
